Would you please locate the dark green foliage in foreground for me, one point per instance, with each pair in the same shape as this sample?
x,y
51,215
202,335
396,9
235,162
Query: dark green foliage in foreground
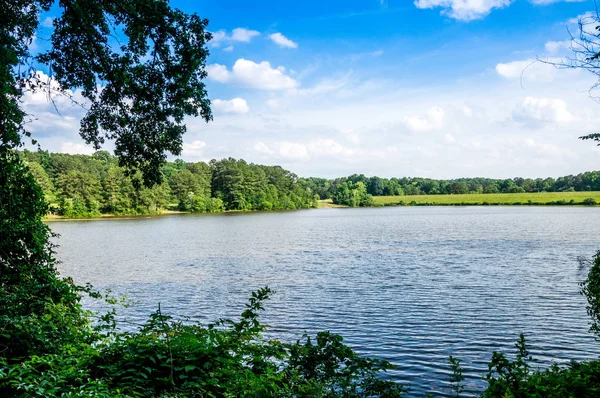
x,y
86,186
591,290
508,378
169,358
38,309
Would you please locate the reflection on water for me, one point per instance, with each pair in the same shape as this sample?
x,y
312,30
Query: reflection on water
x,y
410,285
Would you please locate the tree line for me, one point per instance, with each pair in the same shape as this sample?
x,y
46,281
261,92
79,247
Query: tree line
x,y
90,185
87,186
354,185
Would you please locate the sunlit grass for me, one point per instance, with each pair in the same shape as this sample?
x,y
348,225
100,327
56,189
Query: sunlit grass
x,y
492,198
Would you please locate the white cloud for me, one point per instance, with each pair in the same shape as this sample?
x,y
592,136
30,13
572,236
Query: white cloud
x,y
293,150
237,35
449,138
250,74
273,103
228,49
218,37
218,73
464,10
329,147
554,47
194,150
434,120
531,69
537,111
76,149
585,18
236,105
261,148
243,35
283,41
314,149
546,2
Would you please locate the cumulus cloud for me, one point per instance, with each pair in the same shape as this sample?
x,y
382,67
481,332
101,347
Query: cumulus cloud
x,y
76,148
250,74
218,72
283,41
243,35
554,47
434,120
237,35
236,105
329,147
529,68
464,10
317,148
194,150
449,138
293,150
546,2
539,111
262,148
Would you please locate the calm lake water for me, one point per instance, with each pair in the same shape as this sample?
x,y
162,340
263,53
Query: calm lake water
x,y
412,285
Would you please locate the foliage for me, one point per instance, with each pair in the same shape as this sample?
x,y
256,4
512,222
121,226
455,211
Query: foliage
x,y
457,376
225,359
38,308
591,290
505,376
515,379
352,194
85,186
377,186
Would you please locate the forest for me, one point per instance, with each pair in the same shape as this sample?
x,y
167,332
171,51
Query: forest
x,y
87,186
377,186
91,185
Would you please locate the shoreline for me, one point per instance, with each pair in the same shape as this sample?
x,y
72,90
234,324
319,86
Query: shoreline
x,y
325,204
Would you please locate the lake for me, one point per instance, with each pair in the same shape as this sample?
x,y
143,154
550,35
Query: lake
x,y
412,285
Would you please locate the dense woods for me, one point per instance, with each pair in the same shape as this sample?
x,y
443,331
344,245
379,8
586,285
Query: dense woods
x,y
377,186
86,186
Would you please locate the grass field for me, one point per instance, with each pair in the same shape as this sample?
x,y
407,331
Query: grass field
x,y
545,198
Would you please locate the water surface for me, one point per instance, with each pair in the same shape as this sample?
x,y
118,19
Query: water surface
x,y
412,285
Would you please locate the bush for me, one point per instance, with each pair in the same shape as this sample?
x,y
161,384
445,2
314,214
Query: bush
x,y
589,202
225,359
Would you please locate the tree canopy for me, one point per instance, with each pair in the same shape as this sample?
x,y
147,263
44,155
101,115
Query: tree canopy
x,y
139,66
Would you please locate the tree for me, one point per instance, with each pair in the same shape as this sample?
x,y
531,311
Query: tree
x,y
79,194
352,194
139,87
117,191
43,180
585,49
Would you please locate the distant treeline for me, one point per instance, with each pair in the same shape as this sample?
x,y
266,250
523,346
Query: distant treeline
x,y
86,186
358,187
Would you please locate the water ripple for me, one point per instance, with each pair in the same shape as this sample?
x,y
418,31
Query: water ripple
x,y
409,285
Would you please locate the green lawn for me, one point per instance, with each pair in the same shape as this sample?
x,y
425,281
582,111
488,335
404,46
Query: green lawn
x,y
492,198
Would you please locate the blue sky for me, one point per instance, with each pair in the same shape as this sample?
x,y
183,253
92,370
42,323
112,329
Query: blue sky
x,y
433,88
